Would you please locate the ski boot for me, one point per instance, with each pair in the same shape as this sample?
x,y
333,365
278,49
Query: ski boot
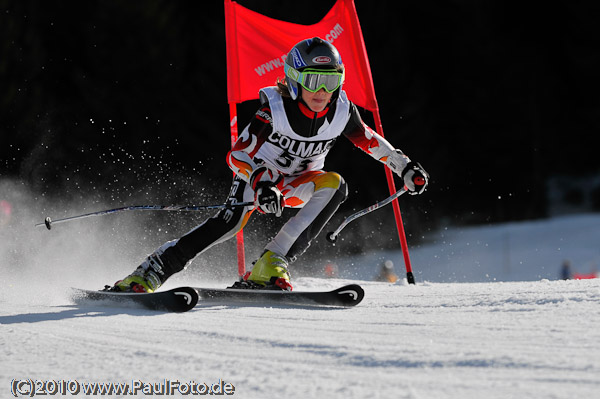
x,y
269,272
146,278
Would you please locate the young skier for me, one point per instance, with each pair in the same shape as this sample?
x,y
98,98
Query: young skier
x,y
278,162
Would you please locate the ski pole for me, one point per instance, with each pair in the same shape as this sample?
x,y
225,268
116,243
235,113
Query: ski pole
x,y
49,222
332,236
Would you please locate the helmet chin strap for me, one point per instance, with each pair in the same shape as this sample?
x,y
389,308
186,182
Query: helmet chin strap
x,y
299,98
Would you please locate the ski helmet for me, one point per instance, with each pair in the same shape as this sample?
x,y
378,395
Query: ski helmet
x,y
314,54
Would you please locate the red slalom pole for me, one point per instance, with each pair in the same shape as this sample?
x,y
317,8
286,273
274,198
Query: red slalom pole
x,y
399,224
241,254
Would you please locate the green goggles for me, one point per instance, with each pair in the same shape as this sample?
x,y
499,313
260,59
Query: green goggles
x,y
314,80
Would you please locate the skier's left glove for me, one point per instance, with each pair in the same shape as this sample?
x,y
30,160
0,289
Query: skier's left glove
x,y
397,162
412,173
268,198
415,178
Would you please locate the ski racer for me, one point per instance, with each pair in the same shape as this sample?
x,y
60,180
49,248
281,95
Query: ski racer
x,y
278,162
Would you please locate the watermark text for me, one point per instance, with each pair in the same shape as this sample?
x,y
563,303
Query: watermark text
x,y
27,387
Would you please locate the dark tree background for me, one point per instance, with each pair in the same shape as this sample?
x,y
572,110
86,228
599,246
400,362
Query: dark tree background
x,y
115,100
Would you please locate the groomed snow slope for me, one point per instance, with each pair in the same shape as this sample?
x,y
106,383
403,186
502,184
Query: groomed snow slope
x,y
434,340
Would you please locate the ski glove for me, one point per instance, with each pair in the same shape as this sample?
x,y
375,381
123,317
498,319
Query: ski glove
x,y
268,198
264,174
415,178
397,161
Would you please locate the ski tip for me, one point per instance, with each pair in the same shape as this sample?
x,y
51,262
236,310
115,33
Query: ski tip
x,y
350,295
187,297
176,300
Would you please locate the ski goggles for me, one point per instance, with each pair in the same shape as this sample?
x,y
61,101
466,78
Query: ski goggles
x,y
314,80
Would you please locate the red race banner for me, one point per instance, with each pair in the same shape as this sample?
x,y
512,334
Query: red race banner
x,y
258,45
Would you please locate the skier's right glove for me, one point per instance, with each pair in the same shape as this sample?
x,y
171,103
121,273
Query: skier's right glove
x,y
415,178
268,198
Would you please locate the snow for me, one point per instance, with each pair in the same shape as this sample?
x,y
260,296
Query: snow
x,y
488,317
518,251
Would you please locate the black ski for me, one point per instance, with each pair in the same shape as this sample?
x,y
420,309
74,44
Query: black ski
x,y
348,295
179,299
182,299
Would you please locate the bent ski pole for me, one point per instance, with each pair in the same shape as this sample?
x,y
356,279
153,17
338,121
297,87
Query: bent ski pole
x,y
181,208
332,236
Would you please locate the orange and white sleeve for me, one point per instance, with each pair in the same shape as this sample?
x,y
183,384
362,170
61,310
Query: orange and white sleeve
x,y
378,147
241,157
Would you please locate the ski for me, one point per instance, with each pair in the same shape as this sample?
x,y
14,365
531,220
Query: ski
x,y
348,295
182,299
178,300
